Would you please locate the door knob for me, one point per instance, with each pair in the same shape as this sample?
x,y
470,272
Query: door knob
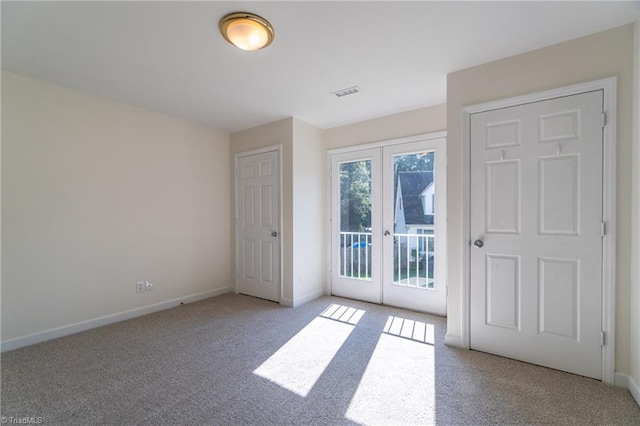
x,y
386,233
274,233
478,243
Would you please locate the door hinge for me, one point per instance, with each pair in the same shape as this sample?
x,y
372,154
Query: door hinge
x,y
602,338
604,119
603,229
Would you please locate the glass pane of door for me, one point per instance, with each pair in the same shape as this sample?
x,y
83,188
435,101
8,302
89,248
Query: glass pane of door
x,y
355,220
414,220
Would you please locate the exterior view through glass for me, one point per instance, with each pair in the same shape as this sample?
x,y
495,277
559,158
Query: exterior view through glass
x,y
355,220
414,220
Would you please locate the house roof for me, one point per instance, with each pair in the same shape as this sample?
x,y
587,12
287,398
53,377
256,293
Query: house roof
x,y
412,184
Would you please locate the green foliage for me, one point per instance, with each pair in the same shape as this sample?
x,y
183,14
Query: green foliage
x,y
355,188
355,196
414,162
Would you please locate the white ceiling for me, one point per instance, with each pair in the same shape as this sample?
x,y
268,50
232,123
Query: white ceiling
x,y
169,56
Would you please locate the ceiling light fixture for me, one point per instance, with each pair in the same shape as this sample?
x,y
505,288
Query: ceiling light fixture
x,y
246,30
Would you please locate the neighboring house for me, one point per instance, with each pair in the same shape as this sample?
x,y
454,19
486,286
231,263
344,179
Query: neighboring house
x,y
414,203
414,213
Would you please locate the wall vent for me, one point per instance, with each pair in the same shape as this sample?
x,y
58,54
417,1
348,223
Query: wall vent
x,y
347,91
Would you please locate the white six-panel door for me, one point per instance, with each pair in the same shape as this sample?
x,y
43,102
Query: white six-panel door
x,y
258,225
536,229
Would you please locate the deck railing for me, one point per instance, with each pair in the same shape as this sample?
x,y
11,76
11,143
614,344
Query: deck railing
x,y
413,260
355,255
413,256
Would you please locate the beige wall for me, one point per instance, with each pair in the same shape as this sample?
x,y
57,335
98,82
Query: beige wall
x,y
409,123
272,134
597,56
302,202
97,195
309,198
304,185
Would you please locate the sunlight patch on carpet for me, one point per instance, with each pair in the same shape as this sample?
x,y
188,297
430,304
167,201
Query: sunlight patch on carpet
x,y
298,364
343,313
398,385
410,329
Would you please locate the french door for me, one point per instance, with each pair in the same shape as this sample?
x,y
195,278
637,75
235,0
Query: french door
x,y
388,226
356,221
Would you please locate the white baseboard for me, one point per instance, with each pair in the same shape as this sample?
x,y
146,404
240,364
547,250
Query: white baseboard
x,y
308,298
66,330
621,380
626,381
453,341
286,302
634,388
292,303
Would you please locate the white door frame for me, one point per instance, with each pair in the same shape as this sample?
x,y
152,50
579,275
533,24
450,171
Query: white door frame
x,y
377,144
608,209
278,149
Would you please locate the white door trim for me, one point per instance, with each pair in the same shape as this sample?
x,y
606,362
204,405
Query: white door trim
x,y
388,142
278,149
608,209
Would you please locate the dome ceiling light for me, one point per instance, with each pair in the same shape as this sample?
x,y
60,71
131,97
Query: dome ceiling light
x,y
246,30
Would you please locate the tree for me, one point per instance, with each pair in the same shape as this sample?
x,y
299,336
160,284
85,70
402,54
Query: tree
x,y
422,162
355,188
355,196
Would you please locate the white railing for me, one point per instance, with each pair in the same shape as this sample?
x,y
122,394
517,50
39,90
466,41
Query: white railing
x,y
413,256
355,255
413,260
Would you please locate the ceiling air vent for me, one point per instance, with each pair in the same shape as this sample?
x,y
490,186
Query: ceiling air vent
x,y
347,91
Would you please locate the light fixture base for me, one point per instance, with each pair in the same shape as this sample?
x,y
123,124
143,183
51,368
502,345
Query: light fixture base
x,y
246,31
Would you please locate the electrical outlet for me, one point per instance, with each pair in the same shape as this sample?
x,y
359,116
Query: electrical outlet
x,y
140,287
148,286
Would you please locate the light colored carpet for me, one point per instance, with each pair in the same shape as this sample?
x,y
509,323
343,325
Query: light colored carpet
x,y
236,360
